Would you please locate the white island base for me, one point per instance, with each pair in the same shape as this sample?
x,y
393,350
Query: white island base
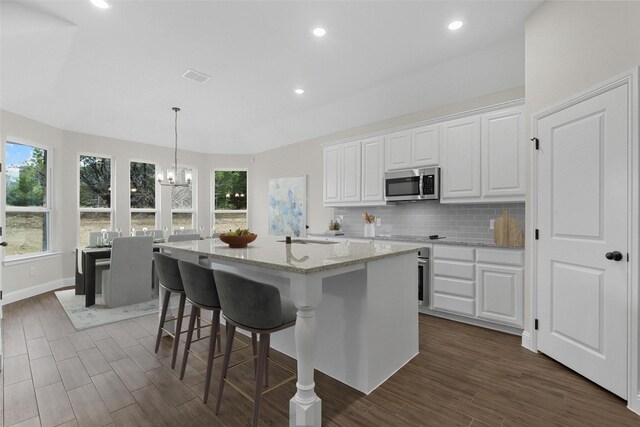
x,y
357,323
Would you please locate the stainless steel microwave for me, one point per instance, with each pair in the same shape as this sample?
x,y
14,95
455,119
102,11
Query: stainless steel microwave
x,y
412,184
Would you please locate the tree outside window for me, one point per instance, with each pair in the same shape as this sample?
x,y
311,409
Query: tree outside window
x,y
95,195
142,199
230,198
28,212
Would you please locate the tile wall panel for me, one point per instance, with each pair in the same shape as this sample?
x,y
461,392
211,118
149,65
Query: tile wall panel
x,y
463,222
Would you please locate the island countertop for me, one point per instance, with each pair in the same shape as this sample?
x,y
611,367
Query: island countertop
x,y
304,256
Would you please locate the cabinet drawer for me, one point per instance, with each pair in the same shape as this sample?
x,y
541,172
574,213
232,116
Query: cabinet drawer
x,y
506,257
454,304
454,252
462,270
463,288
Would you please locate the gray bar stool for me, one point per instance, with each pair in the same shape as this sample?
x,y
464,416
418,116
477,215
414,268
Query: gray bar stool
x,y
257,308
169,276
200,288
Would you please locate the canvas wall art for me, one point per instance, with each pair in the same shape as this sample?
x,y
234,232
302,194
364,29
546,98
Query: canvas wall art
x,y
287,206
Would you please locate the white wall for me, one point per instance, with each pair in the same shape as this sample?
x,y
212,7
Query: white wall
x,y
571,47
305,158
66,147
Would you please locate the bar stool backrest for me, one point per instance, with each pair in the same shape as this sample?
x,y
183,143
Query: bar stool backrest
x,y
199,284
247,302
168,271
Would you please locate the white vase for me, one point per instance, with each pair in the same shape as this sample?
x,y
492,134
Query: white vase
x,y
369,230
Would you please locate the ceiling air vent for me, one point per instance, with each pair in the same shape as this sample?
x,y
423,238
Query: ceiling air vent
x,y
196,76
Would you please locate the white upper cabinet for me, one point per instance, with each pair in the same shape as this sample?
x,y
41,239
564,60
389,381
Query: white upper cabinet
x,y
351,158
354,173
481,159
373,169
503,154
412,148
332,173
398,151
460,168
424,146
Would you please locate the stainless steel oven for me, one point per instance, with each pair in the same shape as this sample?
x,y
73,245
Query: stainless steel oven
x,y
424,286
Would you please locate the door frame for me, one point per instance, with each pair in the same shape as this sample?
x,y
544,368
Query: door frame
x,y
629,78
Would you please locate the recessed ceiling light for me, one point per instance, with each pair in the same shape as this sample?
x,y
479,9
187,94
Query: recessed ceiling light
x,y
298,91
319,31
455,25
101,4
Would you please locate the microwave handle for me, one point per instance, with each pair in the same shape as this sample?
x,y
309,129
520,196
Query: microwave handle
x,y
421,185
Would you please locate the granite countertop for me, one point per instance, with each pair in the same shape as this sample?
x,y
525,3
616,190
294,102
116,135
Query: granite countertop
x,y
303,256
418,240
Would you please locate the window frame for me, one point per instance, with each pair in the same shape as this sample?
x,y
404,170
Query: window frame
x,y
158,192
80,210
194,199
47,209
214,211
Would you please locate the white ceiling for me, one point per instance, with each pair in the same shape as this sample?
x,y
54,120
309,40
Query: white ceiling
x,y
118,72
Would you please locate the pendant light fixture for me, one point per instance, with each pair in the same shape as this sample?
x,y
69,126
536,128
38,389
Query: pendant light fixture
x,y
172,175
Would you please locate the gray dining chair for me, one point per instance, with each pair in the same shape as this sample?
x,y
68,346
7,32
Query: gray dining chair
x,y
128,281
101,264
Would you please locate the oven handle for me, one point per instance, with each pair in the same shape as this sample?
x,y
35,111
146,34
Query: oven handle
x,y
423,261
421,185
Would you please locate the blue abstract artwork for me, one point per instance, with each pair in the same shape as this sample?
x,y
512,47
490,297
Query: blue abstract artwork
x,y
287,206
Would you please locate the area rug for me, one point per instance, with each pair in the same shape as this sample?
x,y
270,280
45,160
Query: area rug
x,y
87,317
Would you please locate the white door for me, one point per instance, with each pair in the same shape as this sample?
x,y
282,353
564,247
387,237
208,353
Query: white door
x,y
582,216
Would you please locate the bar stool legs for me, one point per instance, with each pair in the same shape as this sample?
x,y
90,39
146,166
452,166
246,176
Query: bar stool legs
x,y
231,331
178,328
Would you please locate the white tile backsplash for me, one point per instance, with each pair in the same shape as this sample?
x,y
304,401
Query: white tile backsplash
x,y
465,222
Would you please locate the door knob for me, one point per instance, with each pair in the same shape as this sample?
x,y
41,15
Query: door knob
x,y
615,255
4,244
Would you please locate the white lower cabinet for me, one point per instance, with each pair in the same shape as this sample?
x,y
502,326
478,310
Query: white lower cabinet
x,y
500,296
484,284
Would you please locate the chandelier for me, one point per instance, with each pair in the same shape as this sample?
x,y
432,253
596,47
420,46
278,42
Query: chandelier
x,y
175,177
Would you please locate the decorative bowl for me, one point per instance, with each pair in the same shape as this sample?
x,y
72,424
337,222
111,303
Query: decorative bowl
x,y
238,241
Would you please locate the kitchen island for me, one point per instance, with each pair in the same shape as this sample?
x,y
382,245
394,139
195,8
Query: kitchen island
x,y
357,307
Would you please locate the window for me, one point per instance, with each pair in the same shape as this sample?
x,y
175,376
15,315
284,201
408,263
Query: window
x,y
95,195
28,210
182,203
230,200
142,198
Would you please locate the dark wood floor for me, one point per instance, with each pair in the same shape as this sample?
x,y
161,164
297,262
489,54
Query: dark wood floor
x,y
463,376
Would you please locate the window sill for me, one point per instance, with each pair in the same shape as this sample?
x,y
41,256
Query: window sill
x,y
21,259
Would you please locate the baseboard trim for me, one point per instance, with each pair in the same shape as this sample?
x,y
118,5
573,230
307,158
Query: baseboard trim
x,y
32,291
526,340
471,321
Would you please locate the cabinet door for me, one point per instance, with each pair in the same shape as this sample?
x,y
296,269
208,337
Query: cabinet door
x,y
373,169
424,146
500,294
460,144
503,156
398,151
351,174
332,169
